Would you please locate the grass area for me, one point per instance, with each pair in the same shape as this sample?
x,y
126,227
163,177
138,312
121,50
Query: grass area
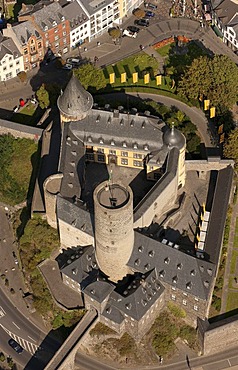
x,y
232,301
101,329
165,50
234,260
28,115
18,158
37,240
235,242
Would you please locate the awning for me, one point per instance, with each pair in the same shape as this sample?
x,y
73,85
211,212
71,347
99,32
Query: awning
x,y
217,31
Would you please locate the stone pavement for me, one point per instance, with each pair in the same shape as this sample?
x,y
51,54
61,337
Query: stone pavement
x,y
228,273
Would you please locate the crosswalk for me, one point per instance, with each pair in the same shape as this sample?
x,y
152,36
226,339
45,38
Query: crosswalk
x,y
27,345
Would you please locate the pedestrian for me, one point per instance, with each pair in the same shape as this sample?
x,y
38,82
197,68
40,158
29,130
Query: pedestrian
x,y
95,59
141,47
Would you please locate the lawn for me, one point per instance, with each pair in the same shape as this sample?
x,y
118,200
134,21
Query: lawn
x,y
140,63
232,301
28,115
18,157
235,242
165,50
233,262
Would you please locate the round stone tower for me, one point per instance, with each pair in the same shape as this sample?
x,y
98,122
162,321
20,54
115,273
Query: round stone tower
x,y
114,234
173,138
75,102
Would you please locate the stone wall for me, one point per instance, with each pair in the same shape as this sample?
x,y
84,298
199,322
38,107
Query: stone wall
x,y
51,188
19,130
71,236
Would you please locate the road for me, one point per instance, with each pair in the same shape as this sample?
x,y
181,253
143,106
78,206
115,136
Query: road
x,y
219,361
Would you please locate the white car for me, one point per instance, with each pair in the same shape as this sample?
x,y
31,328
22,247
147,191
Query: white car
x,y
129,33
67,66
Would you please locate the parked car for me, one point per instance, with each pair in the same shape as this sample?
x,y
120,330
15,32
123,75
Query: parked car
x,y
150,5
129,33
75,62
16,346
149,14
142,22
133,29
67,66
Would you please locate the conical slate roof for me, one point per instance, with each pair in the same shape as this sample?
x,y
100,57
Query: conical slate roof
x,y
174,138
75,101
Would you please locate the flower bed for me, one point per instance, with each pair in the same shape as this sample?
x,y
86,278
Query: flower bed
x,y
170,40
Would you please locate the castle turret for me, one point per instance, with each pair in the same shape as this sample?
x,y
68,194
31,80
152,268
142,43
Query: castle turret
x,y
75,102
114,234
173,138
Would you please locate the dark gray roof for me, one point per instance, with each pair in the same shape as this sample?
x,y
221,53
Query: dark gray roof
x,y
114,129
93,6
74,214
218,214
99,290
138,296
7,46
112,313
49,14
160,185
75,100
173,266
226,10
174,138
74,13
24,30
28,9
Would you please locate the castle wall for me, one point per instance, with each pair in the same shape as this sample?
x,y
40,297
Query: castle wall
x,y
51,188
19,130
71,236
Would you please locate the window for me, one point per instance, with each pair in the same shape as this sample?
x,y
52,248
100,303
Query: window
x,y
4,68
173,297
195,308
90,156
56,38
124,154
101,158
25,51
17,62
112,152
32,41
9,75
64,41
11,65
64,33
26,59
56,30
46,34
100,150
39,45
56,44
85,26
173,288
47,44
124,161
156,176
63,25
18,70
136,155
196,299
137,163
184,302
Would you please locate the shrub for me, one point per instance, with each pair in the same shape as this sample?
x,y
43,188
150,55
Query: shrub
x,y
115,33
125,345
189,334
12,291
2,357
176,311
101,329
216,303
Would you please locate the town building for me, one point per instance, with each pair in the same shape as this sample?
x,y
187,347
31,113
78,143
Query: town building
x,y
11,60
225,21
79,23
29,41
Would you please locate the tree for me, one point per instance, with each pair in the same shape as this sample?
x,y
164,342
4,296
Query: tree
x,y
43,97
91,76
22,76
115,33
214,78
231,147
139,13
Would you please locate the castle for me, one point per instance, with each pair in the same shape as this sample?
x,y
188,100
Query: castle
x,y
119,174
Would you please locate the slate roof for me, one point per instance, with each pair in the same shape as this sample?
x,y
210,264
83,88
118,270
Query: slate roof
x,y
174,138
28,9
47,15
93,6
126,131
184,271
74,13
74,214
7,46
226,10
160,185
75,100
24,31
218,214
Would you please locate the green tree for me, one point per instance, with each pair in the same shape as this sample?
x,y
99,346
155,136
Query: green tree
x,y
214,78
139,13
115,33
91,76
231,147
43,97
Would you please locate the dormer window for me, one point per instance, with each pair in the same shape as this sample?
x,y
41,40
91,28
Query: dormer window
x,y
137,262
193,272
151,253
132,123
112,142
175,279
167,260
146,147
98,118
90,139
189,285
101,141
124,144
179,266
46,28
62,18
162,273
141,248
135,146
54,23
128,306
147,266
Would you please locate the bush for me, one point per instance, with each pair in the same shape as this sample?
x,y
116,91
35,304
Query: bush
x,y
12,291
22,76
2,357
189,334
115,33
176,311
216,303
101,329
125,345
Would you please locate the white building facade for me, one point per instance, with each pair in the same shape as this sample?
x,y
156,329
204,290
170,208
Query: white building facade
x,y
11,60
